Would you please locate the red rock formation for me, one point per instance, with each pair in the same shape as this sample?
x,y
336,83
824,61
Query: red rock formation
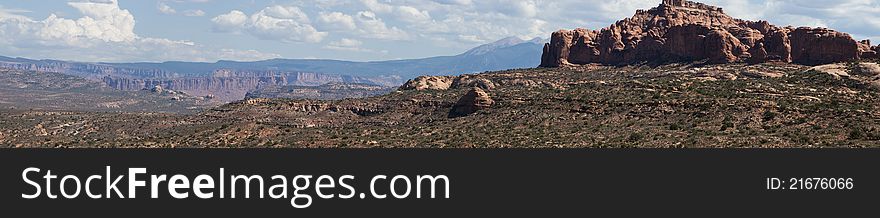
x,y
866,50
680,30
475,100
815,46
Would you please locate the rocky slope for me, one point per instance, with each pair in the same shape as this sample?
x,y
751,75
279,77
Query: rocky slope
x,y
678,31
678,105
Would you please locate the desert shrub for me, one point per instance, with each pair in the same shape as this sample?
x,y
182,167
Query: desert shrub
x,y
635,137
768,116
727,123
856,134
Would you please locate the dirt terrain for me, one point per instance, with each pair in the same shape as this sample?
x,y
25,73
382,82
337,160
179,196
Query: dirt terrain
x,y
679,105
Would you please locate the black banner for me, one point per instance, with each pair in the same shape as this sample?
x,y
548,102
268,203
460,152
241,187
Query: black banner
x,y
481,182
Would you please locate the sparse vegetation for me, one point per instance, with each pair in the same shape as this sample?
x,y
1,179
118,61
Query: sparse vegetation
x,y
638,106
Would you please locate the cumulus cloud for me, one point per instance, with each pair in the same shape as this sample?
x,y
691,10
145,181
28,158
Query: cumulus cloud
x,y
336,21
412,14
102,21
165,9
374,5
469,22
439,24
405,13
105,32
371,26
284,23
229,22
285,12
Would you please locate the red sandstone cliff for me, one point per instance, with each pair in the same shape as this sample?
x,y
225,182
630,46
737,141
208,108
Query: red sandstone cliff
x,y
679,30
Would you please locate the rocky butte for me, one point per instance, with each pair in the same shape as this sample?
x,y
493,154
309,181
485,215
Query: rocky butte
x,y
679,31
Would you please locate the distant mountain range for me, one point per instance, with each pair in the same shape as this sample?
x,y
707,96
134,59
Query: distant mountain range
x,y
508,53
231,80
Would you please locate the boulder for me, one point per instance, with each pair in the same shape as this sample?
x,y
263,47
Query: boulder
x,y
836,71
475,100
157,89
869,69
428,83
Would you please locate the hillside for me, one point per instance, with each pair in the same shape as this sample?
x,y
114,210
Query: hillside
x,y
678,105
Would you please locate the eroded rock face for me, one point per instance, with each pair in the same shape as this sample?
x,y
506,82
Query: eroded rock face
x,y
697,42
866,50
475,100
814,46
679,30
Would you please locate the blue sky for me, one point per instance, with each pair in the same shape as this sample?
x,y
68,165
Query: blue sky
x,y
210,30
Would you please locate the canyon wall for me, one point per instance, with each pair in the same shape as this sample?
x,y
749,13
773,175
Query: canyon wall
x,y
229,85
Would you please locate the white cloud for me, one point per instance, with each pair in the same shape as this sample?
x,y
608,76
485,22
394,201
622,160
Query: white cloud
x,y
165,9
374,5
102,21
105,32
336,21
467,22
229,22
284,23
194,13
367,24
454,2
442,25
371,26
346,44
6,13
412,15
286,12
